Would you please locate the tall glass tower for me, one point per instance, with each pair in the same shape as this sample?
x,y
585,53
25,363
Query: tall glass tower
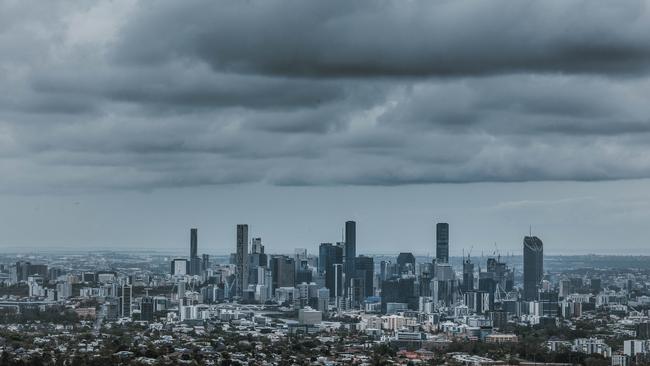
x,y
350,251
195,261
442,242
533,266
241,260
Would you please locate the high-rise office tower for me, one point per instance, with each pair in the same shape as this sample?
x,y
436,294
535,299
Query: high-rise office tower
x,y
257,262
282,272
195,261
387,270
533,266
193,242
323,252
23,270
468,275
303,273
180,267
444,284
442,242
205,262
337,280
350,251
256,246
300,255
365,270
487,284
383,270
125,293
241,260
406,263
500,273
112,307
424,278
146,308
329,256
400,290
596,285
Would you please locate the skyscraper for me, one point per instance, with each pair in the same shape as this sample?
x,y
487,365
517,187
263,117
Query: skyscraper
x,y
256,246
193,242
400,290
444,284
241,260
205,262
323,252
387,270
303,273
468,275
533,266
125,293
336,280
365,270
442,242
282,272
350,251
406,263
195,261
257,262
179,267
329,256
146,308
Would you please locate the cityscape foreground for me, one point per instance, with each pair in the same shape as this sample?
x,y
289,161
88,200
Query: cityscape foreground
x,y
334,307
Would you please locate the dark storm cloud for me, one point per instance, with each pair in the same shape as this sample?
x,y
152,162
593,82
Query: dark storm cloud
x,y
388,38
141,95
524,104
186,87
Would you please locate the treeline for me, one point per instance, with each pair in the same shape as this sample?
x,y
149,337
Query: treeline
x,y
54,314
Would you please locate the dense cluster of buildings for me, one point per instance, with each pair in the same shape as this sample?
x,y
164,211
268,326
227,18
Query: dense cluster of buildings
x,y
408,302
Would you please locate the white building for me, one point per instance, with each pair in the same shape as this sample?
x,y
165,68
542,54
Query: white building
x,y
323,299
63,290
35,286
393,322
179,267
620,360
194,312
634,347
309,316
591,346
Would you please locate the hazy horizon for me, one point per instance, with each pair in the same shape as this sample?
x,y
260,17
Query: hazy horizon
x,y
570,217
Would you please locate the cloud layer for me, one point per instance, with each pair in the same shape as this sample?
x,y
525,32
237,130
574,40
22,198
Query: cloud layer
x,y
141,95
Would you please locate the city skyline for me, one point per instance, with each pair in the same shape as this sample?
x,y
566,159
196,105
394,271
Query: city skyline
x,y
367,182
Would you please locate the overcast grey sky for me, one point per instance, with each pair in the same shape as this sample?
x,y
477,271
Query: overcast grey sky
x,y
123,123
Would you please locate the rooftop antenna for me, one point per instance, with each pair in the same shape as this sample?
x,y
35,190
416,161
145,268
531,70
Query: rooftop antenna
x,y
530,230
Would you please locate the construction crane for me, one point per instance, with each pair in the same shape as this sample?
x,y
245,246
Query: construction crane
x,y
469,253
496,251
